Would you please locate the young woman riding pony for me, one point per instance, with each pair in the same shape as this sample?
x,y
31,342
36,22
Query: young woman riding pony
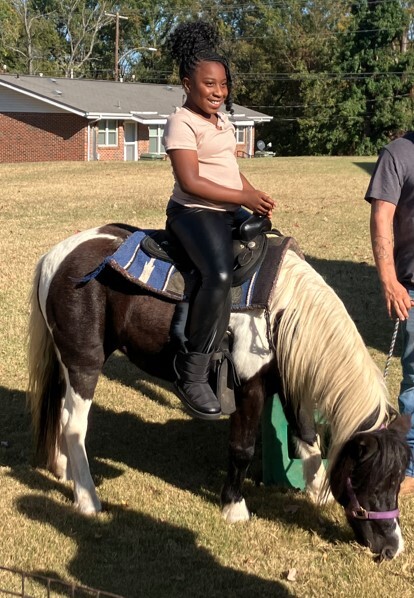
x,y
205,204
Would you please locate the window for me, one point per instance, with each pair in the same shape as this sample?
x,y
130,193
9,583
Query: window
x,y
108,132
240,134
155,139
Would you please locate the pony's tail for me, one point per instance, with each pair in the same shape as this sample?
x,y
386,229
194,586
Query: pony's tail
x,y
46,385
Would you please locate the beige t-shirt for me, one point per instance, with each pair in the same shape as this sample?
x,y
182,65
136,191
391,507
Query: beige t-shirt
x,y
215,148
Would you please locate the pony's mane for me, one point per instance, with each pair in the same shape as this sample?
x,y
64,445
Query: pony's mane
x,y
322,357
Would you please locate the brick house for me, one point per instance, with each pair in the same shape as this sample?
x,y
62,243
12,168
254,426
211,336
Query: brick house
x,y
46,119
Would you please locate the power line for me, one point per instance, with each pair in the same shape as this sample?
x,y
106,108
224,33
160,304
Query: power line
x,y
294,75
323,34
318,105
320,76
246,6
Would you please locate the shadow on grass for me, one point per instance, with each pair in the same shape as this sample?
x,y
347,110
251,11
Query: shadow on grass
x,y
134,555
15,434
119,368
358,286
367,166
188,454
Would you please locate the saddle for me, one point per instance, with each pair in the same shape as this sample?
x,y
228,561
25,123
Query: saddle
x,y
155,261
249,248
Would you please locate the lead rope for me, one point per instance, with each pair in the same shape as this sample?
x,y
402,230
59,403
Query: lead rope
x,y
390,352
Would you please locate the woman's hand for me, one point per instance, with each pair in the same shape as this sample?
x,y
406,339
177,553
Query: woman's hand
x,y
258,201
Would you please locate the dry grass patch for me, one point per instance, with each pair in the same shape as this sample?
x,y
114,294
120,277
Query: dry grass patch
x,y
159,472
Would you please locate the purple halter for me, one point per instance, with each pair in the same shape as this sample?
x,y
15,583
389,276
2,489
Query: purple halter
x,y
357,512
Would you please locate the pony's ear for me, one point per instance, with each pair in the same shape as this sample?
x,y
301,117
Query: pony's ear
x,y
363,447
401,424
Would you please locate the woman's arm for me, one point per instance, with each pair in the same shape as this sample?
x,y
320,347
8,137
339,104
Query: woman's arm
x,y
249,186
185,166
396,296
246,184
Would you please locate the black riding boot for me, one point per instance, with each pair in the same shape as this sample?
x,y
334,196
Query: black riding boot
x,y
192,385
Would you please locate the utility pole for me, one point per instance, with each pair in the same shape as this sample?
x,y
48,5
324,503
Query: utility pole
x,y
116,16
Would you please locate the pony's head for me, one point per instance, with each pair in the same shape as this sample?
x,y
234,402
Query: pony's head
x,y
365,479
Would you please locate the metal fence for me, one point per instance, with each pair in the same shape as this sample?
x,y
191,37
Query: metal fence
x,y
29,585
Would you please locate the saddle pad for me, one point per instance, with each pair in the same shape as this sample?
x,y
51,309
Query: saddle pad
x,y
163,278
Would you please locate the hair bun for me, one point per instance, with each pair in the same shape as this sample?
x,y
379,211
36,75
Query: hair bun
x,y
191,39
194,42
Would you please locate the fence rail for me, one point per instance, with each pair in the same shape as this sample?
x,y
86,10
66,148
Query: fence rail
x,y
31,585
243,154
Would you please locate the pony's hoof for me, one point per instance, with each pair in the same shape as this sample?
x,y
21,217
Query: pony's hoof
x,y
235,511
88,506
89,511
61,470
318,497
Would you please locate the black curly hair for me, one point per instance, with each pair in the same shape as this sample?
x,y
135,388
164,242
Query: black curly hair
x,y
194,42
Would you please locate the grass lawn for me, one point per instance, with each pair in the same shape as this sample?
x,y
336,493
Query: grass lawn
x,y
159,472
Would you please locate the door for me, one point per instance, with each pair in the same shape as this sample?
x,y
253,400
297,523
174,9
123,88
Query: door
x,y
130,141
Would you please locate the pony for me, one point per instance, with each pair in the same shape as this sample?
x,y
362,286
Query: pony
x,y
315,359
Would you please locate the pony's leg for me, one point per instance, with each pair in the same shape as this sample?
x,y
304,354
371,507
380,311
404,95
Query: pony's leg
x,y
314,472
74,423
243,432
308,447
61,466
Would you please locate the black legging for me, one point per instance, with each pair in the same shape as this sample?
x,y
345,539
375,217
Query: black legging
x,y
206,236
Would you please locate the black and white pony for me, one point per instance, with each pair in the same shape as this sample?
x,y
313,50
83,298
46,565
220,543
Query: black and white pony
x,y
316,359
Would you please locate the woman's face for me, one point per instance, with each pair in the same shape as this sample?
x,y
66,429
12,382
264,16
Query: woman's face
x,y
206,89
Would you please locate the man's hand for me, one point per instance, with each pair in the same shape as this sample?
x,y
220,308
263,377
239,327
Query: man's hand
x,y
397,300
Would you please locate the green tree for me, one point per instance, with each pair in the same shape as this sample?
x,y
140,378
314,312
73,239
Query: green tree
x,y
9,34
24,32
78,24
363,97
272,45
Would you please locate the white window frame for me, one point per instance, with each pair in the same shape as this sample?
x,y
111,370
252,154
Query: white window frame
x,y
158,137
240,135
108,130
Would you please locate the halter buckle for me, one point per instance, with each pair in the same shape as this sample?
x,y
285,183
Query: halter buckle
x,y
359,513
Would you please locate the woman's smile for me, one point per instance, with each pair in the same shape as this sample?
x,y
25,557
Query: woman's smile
x,y
206,89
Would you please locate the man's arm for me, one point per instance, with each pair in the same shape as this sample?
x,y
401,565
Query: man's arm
x,y
397,299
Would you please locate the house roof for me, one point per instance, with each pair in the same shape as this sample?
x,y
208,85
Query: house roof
x,y
144,102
